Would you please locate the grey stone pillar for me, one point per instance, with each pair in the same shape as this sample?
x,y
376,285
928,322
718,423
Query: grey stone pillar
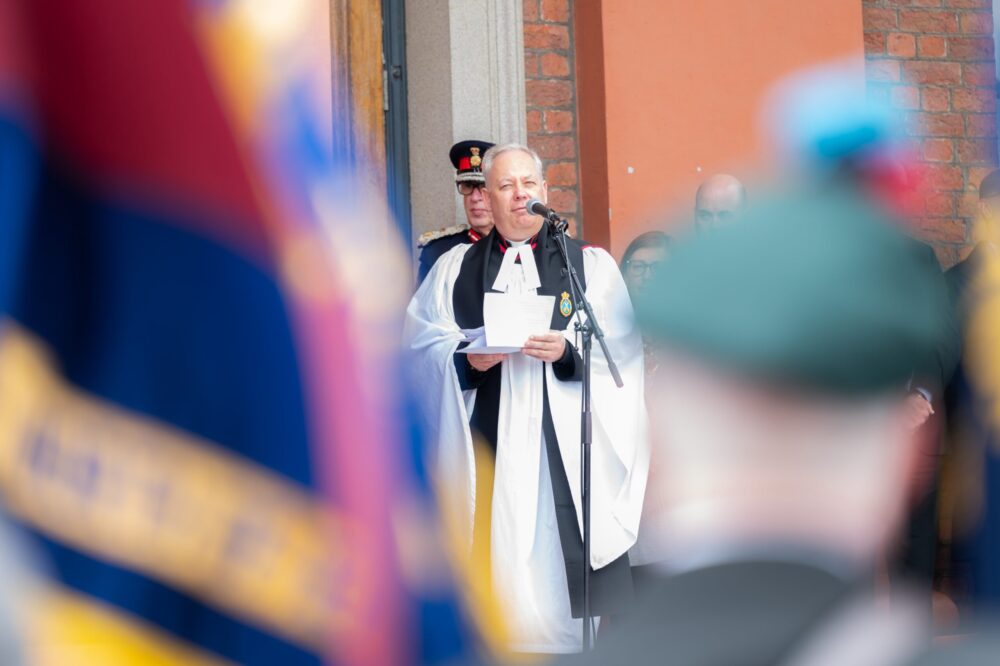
x,y
465,61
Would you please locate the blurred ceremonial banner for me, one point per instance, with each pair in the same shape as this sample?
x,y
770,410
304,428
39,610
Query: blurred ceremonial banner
x,y
205,449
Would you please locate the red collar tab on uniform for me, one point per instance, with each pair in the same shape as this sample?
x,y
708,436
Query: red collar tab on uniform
x,y
474,236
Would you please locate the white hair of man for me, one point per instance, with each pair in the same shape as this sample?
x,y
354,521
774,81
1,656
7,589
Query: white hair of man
x,y
496,151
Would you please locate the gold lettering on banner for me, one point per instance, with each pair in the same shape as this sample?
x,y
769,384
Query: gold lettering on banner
x,y
146,496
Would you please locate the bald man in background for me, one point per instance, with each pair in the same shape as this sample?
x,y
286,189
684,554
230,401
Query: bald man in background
x,y
719,200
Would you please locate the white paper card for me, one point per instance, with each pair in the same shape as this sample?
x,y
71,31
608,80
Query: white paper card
x,y
478,346
511,319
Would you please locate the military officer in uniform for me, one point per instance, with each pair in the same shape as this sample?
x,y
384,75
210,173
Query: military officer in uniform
x,y
467,156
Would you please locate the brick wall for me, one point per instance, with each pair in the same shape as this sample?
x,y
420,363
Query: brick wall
x,y
551,99
933,61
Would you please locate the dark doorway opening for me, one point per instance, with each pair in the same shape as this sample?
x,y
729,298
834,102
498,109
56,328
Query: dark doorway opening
x,y
397,140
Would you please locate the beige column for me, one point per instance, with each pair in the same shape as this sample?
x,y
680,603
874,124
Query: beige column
x,y
465,68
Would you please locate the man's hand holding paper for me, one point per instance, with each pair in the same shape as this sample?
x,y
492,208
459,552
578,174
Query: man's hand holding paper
x,y
548,347
483,362
515,323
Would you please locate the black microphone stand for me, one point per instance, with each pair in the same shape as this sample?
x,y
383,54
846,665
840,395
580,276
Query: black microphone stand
x,y
587,330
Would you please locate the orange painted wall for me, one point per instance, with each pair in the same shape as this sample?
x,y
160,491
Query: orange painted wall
x,y
683,82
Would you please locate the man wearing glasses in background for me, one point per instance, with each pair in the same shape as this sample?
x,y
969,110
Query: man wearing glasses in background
x,y
467,157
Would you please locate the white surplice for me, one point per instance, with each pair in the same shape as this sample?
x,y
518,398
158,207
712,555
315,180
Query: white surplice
x,y
528,567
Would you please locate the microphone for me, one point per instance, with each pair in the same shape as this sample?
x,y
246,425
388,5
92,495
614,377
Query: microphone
x,y
536,207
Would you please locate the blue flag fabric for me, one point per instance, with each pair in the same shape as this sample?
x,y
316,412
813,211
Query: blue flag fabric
x,y
199,423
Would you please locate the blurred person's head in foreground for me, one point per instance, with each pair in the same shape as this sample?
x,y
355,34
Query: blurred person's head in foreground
x,y
787,341
719,200
642,258
828,130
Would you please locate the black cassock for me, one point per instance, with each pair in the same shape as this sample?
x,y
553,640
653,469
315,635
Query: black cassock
x,y
610,586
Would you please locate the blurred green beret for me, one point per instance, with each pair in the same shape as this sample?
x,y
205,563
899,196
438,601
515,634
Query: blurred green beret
x,y
815,290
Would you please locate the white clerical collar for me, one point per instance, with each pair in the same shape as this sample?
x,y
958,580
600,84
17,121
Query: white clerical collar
x,y
509,274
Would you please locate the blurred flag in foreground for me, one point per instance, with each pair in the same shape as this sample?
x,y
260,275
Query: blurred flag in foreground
x,y
199,420
975,393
